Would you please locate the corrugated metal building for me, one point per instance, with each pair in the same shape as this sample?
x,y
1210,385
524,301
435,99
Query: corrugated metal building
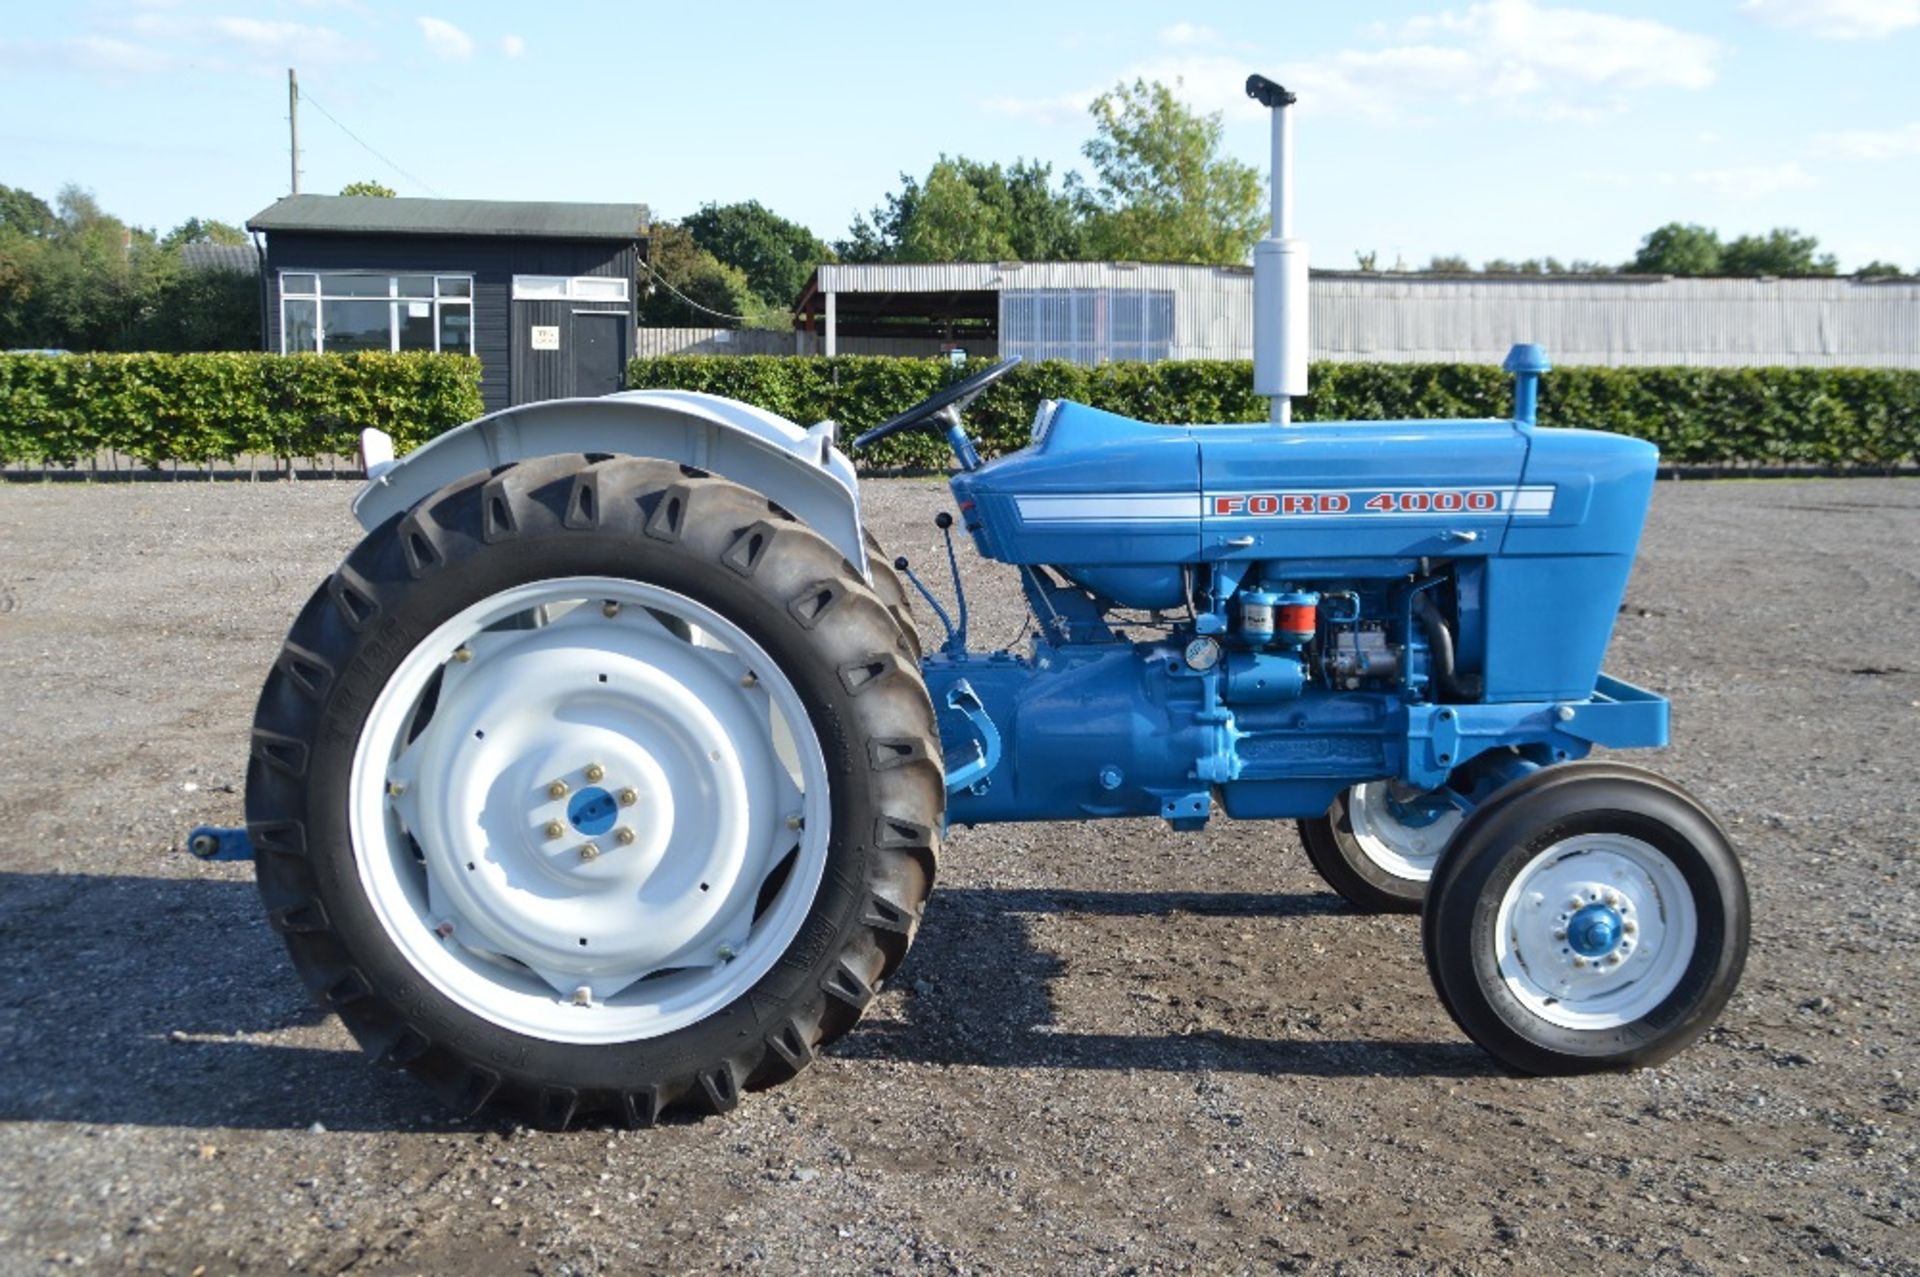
x,y
1092,311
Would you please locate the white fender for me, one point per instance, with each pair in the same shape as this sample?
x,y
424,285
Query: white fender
x,y
801,469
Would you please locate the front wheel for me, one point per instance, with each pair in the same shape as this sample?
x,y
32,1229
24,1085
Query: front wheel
x,y
1589,916
594,788
1377,845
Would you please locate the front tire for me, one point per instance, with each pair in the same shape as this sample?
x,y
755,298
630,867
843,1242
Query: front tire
x,y
591,789
1590,916
1379,842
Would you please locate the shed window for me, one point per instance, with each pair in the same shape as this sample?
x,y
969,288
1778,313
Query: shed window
x,y
363,310
1086,325
579,288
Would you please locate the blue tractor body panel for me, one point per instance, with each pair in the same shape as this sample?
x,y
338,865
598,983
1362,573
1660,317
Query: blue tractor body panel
x,y
1460,580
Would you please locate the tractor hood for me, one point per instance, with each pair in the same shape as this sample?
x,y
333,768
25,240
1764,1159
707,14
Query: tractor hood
x,y
1120,504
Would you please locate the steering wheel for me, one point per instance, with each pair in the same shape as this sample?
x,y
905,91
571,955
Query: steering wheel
x,y
951,400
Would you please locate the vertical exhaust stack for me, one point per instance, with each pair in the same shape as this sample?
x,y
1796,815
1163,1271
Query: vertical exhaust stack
x,y
1279,274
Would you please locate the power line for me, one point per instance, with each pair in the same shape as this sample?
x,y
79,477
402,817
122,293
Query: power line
x,y
310,100
718,314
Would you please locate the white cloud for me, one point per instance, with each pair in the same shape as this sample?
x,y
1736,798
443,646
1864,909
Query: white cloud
x,y
1837,19
1873,144
1556,62
447,41
254,43
1183,35
1563,62
1750,181
512,45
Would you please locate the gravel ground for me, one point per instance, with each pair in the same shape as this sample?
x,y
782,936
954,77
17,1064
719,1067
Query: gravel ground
x,y
1112,1049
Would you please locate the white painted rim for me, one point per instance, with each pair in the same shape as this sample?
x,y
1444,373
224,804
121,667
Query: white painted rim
x,y
1660,927
707,754
1389,843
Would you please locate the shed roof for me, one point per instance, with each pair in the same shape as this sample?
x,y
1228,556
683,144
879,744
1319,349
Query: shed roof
x,y
233,257
528,219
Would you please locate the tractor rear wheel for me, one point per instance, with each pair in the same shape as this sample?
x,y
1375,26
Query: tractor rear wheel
x,y
595,787
1589,916
888,589
1377,845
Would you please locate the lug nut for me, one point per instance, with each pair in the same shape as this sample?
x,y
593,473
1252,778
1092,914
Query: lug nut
x,y
395,788
444,930
609,609
629,796
595,772
795,823
554,829
749,679
1579,963
583,996
463,654
726,953
589,852
623,836
558,789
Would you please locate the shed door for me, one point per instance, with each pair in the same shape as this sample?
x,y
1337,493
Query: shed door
x,y
598,361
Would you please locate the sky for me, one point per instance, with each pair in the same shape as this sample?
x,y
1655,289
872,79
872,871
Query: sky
x,y
1504,128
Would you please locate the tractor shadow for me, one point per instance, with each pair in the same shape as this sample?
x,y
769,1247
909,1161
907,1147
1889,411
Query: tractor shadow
x,y
164,1002
978,991
169,1002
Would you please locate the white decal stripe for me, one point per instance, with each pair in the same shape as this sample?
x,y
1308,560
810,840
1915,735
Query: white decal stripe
x,y
1118,507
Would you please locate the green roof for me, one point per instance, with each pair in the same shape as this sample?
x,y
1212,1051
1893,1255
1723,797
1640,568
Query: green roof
x,y
527,219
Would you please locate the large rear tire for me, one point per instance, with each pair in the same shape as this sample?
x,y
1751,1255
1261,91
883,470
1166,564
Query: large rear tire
x,y
594,788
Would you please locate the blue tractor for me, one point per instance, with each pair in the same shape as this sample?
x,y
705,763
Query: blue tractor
x,y
609,774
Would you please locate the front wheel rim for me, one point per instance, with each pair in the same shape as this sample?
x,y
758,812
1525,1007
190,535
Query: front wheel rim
x,y
1596,931
1395,844
590,810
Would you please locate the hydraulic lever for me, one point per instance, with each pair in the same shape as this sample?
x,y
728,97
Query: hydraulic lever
x,y
956,641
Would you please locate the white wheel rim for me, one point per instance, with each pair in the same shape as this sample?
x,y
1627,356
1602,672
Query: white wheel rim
x,y
707,760
1398,846
1596,931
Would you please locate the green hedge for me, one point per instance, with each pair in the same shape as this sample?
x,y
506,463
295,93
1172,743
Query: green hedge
x,y
62,409
1697,416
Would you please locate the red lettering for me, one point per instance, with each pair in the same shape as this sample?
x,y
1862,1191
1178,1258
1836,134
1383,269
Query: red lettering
x,y
1482,501
1381,502
1334,503
1446,501
1297,503
1265,503
1414,501
1227,505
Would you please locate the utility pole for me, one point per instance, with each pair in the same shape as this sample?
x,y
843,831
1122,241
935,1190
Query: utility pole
x,y
293,124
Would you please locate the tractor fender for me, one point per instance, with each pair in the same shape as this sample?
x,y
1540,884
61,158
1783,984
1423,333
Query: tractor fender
x,y
799,469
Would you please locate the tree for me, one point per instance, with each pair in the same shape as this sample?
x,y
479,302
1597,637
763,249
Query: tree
x,y
1676,249
24,212
196,230
684,286
377,190
1877,269
1781,251
1164,191
774,254
1448,264
969,211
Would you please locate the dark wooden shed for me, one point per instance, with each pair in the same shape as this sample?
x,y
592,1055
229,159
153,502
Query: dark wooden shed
x,y
542,292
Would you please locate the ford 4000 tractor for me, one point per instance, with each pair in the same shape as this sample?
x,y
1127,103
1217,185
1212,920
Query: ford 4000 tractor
x,y
609,774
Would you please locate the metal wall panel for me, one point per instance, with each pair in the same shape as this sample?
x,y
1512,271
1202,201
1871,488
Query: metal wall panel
x,y
1611,320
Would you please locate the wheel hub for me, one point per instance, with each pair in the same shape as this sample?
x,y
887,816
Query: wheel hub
x,y
1402,830
1595,931
592,811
